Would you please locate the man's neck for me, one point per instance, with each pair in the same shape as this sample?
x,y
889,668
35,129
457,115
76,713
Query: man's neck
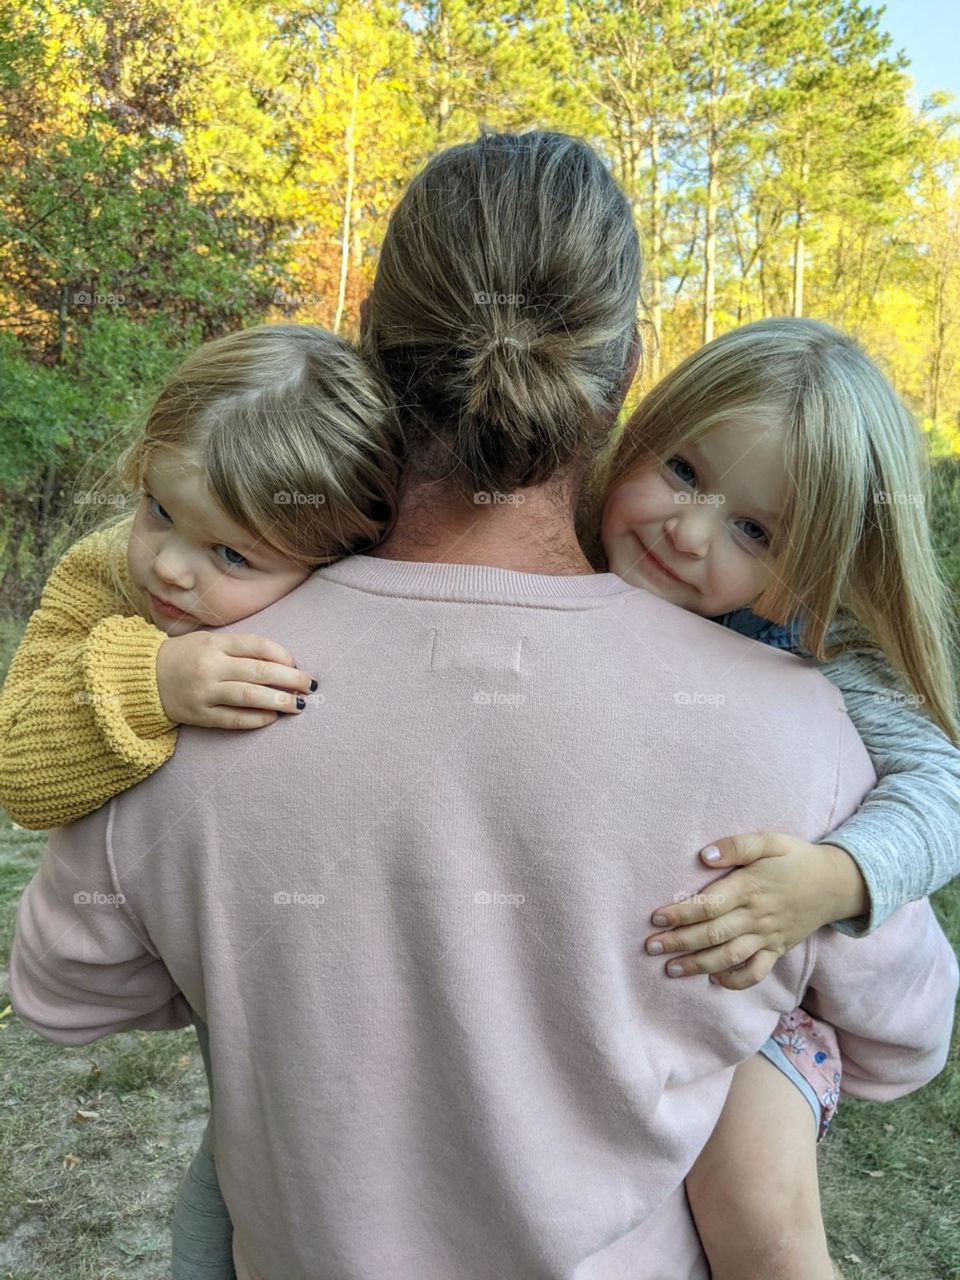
x,y
530,531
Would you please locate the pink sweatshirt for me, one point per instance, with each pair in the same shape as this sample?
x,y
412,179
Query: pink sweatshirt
x,y
413,918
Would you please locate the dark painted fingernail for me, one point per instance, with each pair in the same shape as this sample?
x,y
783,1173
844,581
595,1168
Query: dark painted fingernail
x,y
301,703
313,686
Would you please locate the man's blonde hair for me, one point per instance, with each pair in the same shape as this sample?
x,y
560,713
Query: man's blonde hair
x,y
503,309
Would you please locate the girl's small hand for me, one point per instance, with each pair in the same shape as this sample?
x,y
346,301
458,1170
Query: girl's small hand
x,y
747,919
228,680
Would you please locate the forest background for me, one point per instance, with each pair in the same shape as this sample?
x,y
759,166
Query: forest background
x,y
172,172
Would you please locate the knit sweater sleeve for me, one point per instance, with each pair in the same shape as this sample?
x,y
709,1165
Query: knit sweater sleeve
x,y
905,836
80,713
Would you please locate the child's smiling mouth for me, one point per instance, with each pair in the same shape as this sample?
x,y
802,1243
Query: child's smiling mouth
x,y
650,558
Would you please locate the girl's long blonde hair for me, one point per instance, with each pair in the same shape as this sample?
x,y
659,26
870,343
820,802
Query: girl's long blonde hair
x,y
295,435
857,543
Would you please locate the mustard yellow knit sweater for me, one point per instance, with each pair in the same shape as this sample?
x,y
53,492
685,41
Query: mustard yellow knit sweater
x,y
80,713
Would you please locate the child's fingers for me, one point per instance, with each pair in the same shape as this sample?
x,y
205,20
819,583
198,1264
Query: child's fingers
x,y
259,672
717,959
742,978
693,908
256,697
740,851
274,664
697,937
237,718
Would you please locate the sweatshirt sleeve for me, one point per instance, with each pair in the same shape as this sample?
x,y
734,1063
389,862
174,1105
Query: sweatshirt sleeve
x,y
905,836
80,713
890,998
82,965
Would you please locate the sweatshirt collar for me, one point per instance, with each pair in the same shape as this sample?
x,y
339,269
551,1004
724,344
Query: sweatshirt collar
x,y
479,583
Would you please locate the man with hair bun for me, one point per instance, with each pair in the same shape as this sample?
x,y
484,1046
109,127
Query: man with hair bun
x,y
458,1065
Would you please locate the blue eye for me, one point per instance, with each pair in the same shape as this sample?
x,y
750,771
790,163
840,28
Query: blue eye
x,y
240,560
160,513
682,465
756,532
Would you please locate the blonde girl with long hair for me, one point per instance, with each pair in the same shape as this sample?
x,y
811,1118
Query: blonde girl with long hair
x,y
774,483
266,454
501,317
503,327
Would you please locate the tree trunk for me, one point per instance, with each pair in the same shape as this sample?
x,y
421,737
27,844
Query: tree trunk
x,y
656,251
351,156
710,245
62,325
939,335
444,106
799,248
798,263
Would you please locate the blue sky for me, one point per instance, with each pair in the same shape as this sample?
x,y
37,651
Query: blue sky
x,y
928,32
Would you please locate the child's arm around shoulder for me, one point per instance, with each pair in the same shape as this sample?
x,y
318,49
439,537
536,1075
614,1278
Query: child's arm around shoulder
x,y
80,714
901,843
905,837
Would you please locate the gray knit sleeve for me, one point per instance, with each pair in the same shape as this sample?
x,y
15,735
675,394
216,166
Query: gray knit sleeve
x,y
905,836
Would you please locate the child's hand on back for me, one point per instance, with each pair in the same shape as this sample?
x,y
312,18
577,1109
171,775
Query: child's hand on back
x,y
750,917
227,679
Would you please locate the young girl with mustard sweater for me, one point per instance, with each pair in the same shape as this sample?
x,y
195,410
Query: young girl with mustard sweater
x,y
267,453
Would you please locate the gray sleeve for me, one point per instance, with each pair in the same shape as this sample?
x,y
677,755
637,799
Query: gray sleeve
x,y
905,836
